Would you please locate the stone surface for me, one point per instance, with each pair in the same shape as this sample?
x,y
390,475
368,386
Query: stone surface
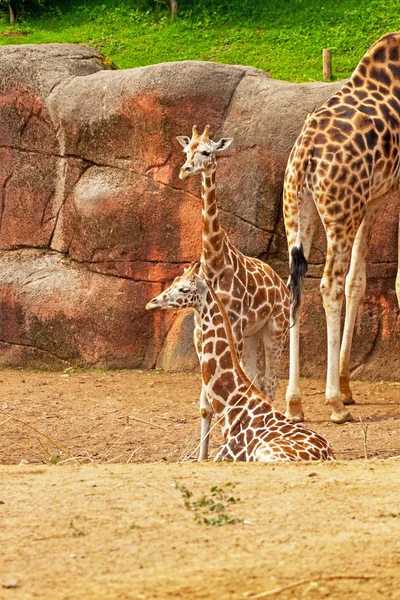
x,y
94,220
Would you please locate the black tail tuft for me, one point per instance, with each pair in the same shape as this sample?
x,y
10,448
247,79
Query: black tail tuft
x,y
298,269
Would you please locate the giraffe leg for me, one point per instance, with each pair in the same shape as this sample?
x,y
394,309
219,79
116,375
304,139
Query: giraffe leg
x,y
206,418
206,411
354,291
332,290
248,358
273,336
308,221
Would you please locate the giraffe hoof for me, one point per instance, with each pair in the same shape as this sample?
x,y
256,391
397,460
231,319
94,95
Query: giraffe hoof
x,y
347,400
342,417
296,418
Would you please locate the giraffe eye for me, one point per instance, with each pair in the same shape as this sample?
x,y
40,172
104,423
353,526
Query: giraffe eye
x,y
184,290
206,153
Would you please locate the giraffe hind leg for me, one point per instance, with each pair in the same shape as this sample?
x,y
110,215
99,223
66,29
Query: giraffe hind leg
x,y
354,291
303,233
332,290
248,358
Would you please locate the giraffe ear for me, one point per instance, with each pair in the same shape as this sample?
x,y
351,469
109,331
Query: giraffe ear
x,y
223,144
201,285
184,140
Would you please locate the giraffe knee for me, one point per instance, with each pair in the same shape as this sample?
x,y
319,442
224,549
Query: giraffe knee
x,y
205,412
331,289
356,284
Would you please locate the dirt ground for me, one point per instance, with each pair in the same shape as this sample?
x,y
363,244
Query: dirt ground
x,y
106,529
86,414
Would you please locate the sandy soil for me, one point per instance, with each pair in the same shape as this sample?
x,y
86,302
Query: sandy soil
x,y
86,414
101,530
123,532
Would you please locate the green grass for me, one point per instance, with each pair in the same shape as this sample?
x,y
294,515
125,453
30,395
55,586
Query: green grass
x,y
283,37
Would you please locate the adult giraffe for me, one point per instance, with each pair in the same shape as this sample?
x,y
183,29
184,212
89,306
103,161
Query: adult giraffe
x,y
343,164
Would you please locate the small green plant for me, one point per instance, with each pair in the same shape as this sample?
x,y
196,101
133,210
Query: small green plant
x,y
210,508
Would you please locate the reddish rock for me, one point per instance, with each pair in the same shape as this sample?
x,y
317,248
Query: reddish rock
x,y
178,353
55,311
89,175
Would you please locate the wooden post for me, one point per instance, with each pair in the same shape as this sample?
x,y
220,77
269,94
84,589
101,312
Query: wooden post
x,y
327,64
174,9
11,13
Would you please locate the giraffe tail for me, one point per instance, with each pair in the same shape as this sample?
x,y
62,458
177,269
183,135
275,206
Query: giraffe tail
x,y
298,263
298,269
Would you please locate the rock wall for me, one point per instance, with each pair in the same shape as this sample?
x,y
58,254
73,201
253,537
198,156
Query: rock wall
x,y
94,220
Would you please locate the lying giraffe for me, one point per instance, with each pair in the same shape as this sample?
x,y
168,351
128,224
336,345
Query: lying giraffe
x,y
255,297
253,430
342,166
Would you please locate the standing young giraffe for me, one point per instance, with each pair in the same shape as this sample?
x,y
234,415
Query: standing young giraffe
x,y
255,297
343,164
253,430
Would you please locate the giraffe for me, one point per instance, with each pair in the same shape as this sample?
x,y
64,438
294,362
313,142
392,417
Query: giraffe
x,y
253,430
342,166
256,298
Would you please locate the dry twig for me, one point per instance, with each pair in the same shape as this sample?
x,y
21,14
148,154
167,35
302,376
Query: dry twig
x,y
39,432
111,447
143,421
134,452
364,429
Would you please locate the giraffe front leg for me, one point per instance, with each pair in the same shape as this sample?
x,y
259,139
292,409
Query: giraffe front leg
x,y
206,413
354,291
332,290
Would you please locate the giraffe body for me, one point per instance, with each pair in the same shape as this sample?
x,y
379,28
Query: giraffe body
x,y
253,430
343,164
255,297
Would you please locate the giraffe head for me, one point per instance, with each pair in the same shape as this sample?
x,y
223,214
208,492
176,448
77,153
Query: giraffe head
x,y
184,292
200,151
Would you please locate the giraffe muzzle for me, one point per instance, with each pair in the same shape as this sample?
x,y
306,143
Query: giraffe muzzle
x,y
154,304
183,173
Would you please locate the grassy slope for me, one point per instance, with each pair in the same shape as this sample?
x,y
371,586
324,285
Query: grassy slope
x,y
284,37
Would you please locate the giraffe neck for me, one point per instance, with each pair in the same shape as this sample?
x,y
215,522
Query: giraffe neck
x,y
228,387
212,257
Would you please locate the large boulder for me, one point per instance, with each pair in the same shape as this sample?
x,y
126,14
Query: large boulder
x,y
94,220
